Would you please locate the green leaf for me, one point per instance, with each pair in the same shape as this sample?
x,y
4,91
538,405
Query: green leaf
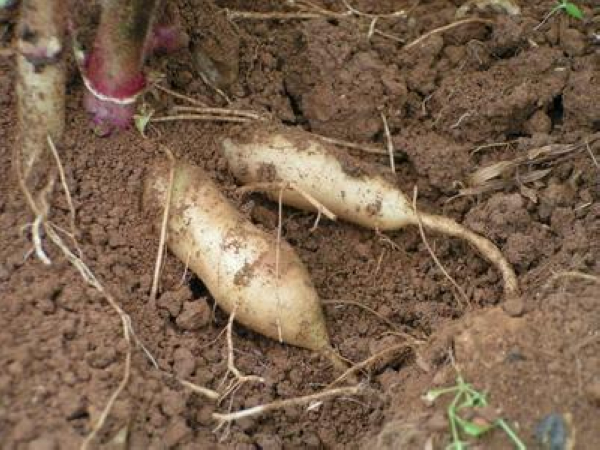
x,y
573,10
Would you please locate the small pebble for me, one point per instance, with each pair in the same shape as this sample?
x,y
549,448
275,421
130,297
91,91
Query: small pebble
x,y
514,306
267,442
172,301
116,239
102,357
204,415
311,440
438,422
46,305
173,403
539,122
184,362
195,315
176,433
363,250
69,328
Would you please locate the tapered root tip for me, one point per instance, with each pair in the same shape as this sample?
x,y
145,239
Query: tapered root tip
x,y
486,248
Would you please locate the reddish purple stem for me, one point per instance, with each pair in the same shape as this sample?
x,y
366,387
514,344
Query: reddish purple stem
x,y
113,69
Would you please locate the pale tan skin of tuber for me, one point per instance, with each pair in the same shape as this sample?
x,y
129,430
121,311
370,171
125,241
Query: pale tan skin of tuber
x,y
270,288
351,189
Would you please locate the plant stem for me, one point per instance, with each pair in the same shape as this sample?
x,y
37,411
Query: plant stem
x,y
41,80
118,52
113,70
452,419
548,16
511,434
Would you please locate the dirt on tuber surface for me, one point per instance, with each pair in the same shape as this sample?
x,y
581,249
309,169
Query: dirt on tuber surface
x,y
62,346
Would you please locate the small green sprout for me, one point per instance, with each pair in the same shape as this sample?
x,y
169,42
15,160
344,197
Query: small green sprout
x,y
571,9
142,119
466,398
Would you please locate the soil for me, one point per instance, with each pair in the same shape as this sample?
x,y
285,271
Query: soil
x,y
62,346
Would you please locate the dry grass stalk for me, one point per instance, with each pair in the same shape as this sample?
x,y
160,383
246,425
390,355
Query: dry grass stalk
x,y
504,173
490,172
307,10
200,117
361,306
203,112
496,185
281,186
389,36
446,28
239,377
187,98
492,145
377,357
278,255
282,404
63,181
592,156
219,111
576,275
392,15
163,229
251,15
208,393
389,142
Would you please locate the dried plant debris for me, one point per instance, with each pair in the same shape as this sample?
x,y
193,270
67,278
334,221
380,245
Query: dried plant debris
x,y
509,7
532,166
